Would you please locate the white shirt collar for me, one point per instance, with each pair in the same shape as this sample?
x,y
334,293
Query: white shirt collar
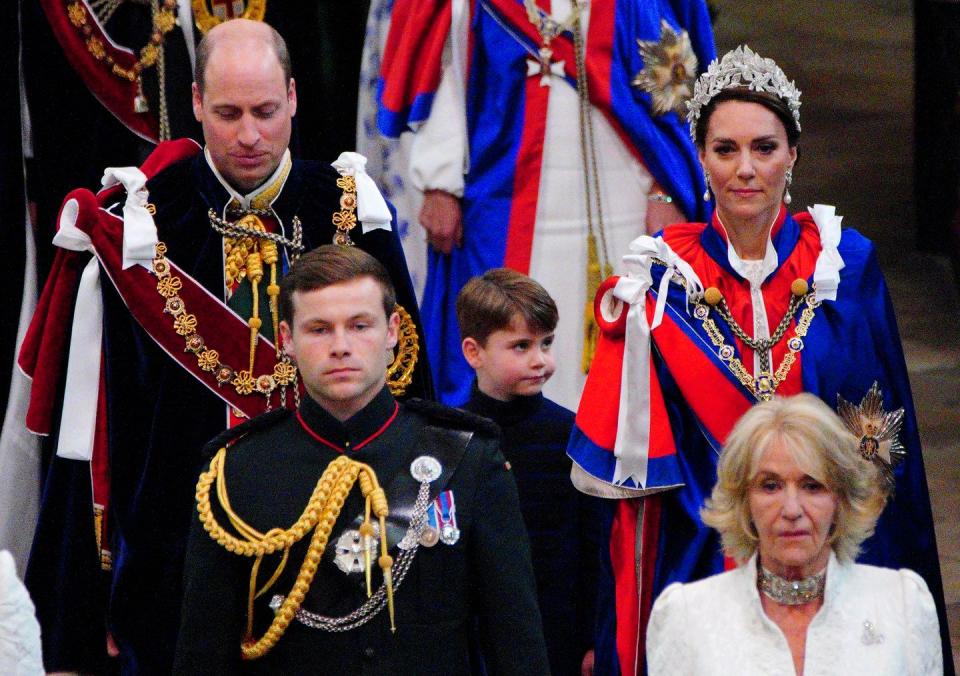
x,y
245,200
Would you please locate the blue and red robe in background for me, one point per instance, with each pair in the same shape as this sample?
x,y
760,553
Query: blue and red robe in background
x,y
694,400
506,123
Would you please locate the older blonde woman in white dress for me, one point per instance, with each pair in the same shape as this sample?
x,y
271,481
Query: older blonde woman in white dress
x,y
793,501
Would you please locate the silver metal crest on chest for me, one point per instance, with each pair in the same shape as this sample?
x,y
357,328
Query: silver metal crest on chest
x,y
349,549
426,469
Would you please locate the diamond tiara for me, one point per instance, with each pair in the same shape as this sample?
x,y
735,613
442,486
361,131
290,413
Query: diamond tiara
x,y
742,68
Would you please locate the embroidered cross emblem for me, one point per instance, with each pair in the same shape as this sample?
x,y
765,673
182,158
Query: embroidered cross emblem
x,y
544,66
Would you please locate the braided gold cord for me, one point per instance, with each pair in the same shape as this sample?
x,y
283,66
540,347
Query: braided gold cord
x,y
255,275
598,265
320,515
400,371
271,256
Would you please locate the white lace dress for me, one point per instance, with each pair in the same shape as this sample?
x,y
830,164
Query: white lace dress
x,y
19,630
873,621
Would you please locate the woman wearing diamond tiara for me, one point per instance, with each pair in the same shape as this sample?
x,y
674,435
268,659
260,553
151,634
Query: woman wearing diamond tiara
x,y
792,503
712,318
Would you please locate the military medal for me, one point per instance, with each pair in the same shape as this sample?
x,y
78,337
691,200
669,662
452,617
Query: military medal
x,y
445,512
429,537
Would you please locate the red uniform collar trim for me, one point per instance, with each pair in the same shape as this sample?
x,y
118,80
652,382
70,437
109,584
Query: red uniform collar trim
x,y
356,447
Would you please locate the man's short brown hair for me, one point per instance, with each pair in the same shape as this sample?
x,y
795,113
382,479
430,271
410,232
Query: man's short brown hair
x,y
331,264
493,301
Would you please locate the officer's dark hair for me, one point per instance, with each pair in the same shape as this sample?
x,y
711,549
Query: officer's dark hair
x,y
773,103
209,43
331,264
494,300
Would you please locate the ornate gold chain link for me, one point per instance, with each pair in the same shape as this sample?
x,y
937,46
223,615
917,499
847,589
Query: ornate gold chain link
x,y
764,385
185,324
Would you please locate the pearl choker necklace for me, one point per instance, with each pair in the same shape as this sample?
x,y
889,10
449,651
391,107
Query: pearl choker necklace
x,y
791,592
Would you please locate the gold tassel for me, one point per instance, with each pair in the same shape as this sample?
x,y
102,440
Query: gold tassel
x,y
595,276
254,274
379,500
268,250
366,532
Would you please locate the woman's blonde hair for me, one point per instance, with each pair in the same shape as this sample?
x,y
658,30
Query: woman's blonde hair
x,y
823,448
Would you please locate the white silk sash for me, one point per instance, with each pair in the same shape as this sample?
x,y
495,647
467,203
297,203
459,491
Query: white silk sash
x,y
632,445
78,419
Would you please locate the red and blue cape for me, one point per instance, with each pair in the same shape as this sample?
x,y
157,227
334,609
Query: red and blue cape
x,y
506,122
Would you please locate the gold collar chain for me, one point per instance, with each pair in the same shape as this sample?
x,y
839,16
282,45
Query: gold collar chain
x,y
764,385
345,219
185,324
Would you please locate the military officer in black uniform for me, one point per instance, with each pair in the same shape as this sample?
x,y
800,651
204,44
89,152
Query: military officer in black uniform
x,y
458,558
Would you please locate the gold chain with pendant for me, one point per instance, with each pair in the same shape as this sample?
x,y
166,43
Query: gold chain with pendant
x,y
764,385
164,18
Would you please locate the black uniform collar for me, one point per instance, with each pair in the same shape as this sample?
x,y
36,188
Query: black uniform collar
x,y
503,412
354,433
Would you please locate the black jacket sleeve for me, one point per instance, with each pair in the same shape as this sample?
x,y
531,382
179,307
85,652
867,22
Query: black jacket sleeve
x,y
505,590
213,613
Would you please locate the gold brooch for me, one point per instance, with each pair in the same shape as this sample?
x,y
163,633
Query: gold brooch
x,y
222,11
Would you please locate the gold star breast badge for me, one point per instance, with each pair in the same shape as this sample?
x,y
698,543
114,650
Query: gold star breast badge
x,y
669,70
